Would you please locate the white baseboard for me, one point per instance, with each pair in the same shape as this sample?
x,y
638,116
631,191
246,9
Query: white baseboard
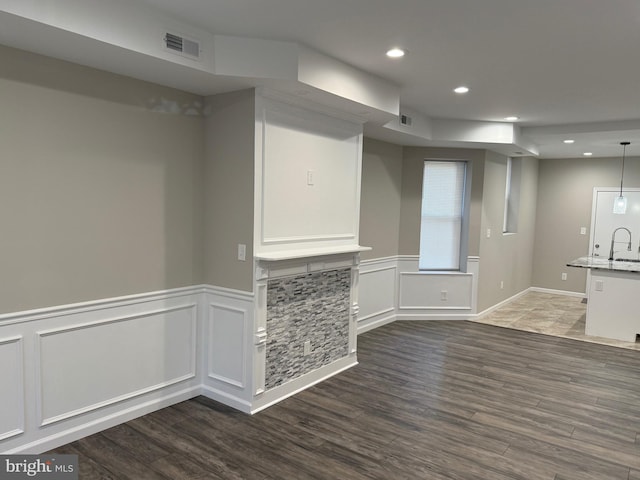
x,y
558,292
501,304
277,394
226,398
366,325
433,316
52,441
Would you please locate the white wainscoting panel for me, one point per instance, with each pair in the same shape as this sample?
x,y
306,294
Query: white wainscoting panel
x,y
90,365
12,392
377,295
435,291
228,328
420,294
72,370
228,340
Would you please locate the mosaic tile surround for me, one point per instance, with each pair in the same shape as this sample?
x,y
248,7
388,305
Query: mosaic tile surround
x,y
313,307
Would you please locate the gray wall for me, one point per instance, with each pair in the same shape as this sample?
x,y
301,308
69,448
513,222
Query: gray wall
x,y
413,160
100,187
506,258
380,198
503,258
565,194
229,174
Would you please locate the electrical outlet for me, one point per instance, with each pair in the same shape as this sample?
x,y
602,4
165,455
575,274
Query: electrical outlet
x,y
501,284
583,230
307,348
443,295
564,276
488,233
310,179
242,252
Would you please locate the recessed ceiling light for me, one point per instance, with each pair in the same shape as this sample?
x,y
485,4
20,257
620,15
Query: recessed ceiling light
x,y
395,53
587,154
511,119
461,89
568,141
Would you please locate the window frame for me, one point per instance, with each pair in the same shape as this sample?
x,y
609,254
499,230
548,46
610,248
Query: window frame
x,y
465,192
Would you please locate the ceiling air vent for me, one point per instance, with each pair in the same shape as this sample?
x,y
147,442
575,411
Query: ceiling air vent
x,y
405,120
182,46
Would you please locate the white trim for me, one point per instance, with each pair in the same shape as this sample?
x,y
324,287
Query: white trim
x,y
309,238
364,271
42,421
83,325
80,411
279,393
228,292
82,307
502,303
558,292
225,398
221,378
310,252
374,261
365,326
375,314
423,308
433,316
52,441
19,340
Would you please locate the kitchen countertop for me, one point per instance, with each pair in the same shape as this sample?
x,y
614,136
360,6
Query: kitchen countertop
x,y
601,263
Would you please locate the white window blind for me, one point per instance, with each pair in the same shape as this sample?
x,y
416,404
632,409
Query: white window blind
x,y
442,210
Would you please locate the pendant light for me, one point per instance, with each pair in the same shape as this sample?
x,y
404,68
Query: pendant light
x,y
620,203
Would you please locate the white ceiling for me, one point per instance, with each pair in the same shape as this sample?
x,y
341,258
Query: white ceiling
x,y
567,68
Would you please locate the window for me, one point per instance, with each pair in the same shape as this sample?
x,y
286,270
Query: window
x,y
512,195
443,199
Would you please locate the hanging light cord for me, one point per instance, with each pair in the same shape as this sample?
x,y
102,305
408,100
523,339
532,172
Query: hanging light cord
x,y
624,150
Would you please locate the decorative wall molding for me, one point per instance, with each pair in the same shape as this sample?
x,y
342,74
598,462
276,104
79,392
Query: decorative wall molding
x,y
417,295
95,305
378,293
12,418
228,345
76,360
435,291
227,330
72,368
314,157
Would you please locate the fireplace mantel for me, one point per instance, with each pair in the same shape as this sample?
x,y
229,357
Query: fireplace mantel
x,y
310,252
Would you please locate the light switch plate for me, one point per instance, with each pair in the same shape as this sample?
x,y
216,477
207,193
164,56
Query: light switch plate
x,y
242,252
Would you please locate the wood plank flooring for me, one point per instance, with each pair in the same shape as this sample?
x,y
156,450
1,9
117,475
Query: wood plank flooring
x,y
429,400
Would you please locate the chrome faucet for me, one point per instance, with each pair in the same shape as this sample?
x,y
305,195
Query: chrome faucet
x,y
613,241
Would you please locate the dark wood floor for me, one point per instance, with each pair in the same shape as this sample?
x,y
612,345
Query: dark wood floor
x,y
429,400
